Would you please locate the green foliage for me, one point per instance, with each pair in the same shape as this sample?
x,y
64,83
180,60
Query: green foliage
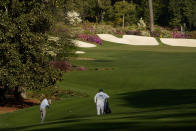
x,y
164,33
174,9
74,5
192,34
193,20
93,10
169,12
115,14
182,11
166,12
24,63
60,42
103,6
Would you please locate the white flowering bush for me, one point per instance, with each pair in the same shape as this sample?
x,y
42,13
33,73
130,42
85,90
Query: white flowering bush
x,y
141,24
73,17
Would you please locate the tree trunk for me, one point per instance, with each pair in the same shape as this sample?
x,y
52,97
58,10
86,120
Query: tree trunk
x,y
151,16
102,15
17,94
123,24
6,10
2,94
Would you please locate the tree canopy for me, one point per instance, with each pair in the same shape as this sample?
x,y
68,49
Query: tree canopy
x,y
170,13
24,63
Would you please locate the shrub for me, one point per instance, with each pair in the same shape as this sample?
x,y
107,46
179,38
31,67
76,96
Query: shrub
x,y
61,65
162,32
90,38
133,32
145,33
179,35
89,28
59,28
73,17
119,32
104,29
192,34
141,24
155,34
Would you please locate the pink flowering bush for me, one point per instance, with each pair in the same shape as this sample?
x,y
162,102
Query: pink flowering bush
x,y
179,35
119,32
90,38
89,28
61,65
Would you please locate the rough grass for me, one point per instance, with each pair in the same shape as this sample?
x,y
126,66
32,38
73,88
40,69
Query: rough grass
x,y
151,89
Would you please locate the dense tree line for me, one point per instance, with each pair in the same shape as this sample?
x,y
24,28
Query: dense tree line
x,y
170,13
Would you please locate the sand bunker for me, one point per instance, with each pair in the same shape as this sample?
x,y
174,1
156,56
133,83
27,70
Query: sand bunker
x,y
134,40
83,44
79,52
179,42
52,38
129,39
140,40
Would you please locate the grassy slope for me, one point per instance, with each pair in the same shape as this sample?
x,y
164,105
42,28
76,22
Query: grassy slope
x,y
151,88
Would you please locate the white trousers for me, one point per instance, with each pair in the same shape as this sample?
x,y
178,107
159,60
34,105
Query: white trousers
x,y
43,114
100,107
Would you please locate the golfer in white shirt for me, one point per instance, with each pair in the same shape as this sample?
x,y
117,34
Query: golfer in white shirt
x,y
45,103
99,100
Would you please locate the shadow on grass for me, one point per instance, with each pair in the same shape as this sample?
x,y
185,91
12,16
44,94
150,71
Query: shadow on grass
x,y
88,125
126,123
159,98
38,125
142,121
121,126
103,61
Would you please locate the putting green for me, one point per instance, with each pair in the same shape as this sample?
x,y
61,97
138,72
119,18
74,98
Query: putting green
x,y
150,88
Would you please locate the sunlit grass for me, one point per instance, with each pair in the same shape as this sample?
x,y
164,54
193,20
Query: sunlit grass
x,y
150,88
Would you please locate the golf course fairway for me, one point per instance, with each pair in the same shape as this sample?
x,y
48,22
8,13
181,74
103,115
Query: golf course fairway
x,y
151,88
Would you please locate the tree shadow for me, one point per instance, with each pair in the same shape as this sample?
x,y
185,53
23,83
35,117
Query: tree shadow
x,y
159,98
121,126
20,103
40,125
88,125
102,61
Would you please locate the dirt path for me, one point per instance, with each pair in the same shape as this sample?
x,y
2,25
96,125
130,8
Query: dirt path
x,y
7,109
11,105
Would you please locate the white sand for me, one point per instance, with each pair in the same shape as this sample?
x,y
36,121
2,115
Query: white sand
x,y
79,52
134,40
83,44
77,42
179,42
111,38
52,38
140,40
129,39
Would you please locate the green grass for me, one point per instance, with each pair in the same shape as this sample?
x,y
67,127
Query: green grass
x,y
150,88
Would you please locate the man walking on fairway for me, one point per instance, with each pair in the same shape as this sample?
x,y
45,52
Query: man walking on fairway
x,y
100,100
45,103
